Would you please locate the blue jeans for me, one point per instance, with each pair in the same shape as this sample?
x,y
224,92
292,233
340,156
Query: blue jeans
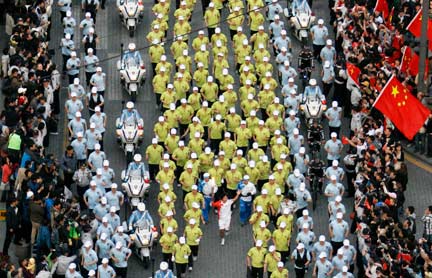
x,y
206,209
245,211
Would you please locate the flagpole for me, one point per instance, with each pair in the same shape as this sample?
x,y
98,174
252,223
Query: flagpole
x,y
403,57
385,86
422,86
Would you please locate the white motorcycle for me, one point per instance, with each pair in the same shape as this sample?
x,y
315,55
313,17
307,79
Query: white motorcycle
x,y
132,76
143,237
312,108
131,13
301,19
135,187
129,136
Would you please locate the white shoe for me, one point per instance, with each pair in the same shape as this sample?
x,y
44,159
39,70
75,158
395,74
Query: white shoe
x,y
195,258
223,241
190,269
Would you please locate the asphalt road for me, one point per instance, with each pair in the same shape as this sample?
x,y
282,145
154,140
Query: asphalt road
x,y
214,260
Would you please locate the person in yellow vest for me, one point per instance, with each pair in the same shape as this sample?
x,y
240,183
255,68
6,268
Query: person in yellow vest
x,y
232,120
167,242
184,59
276,106
263,165
255,259
195,163
200,75
277,150
162,8
241,51
168,97
193,235
181,253
280,272
246,90
156,50
181,87
193,197
161,130
211,18
162,24
218,36
164,207
271,186
193,128
260,53
230,95
155,34
238,38
185,113
255,153
257,217
204,114
275,122
159,82
225,79
168,221
262,234
276,201
153,156
256,19
247,63
254,3
171,141
171,117
202,56
281,239
271,260
235,19
220,107
166,176
180,156
247,75
194,99
177,47
187,179
261,135
206,160
287,216
228,146
242,136
200,41
163,63
252,171
182,69
265,98
240,161
196,143
260,38
183,11
166,192
224,163
264,69
166,159
248,105
263,201
277,135
210,91
194,212
280,176
232,178
215,132
182,28
269,80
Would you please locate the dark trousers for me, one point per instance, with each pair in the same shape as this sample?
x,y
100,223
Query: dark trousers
x,y
167,258
88,77
214,145
8,239
68,179
284,256
72,77
205,4
121,271
317,51
153,170
80,191
336,245
65,58
194,249
327,88
300,272
257,272
181,269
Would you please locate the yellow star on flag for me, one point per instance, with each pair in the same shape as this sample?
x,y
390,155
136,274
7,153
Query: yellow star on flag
x,y
395,91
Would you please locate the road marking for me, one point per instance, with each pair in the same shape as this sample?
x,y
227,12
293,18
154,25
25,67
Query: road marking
x,y
418,163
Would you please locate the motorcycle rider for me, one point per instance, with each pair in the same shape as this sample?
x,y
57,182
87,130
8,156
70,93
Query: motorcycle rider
x,y
315,135
164,272
305,63
138,215
133,54
313,90
136,167
130,115
316,169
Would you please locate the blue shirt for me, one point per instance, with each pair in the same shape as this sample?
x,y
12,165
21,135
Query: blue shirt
x,y
133,57
89,257
105,229
113,220
100,211
339,230
80,148
93,197
130,117
164,274
136,169
113,199
123,238
106,272
137,216
120,255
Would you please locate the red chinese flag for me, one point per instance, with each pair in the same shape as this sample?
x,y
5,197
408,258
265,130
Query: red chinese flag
x,y
406,59
406,112
382,7
415,26
410,62
353,72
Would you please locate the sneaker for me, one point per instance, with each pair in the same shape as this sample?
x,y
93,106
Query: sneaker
x,y
223,241
195,258
190,269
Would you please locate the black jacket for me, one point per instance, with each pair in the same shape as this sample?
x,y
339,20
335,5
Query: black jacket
x,y
13,218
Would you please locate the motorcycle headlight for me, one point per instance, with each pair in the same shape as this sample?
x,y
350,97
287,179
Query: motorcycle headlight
x,y
118,132
145,241
140,132
302,107
324,107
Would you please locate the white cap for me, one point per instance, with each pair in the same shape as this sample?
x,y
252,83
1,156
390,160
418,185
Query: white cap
x,y
286,211
119,245
340,252
258,243
264,192
339,215
338,198
302,150
113,209
334,104
305,226
114,185
322,238
344,268
320,21
192,221
305,212
104,200
335,163
272,248
302,186
195,204
346,242
169,213
323,255
120,229
97,109
87,244
259,209
97,146
329,42
105,260
282,225
104,219
300,246
333,177
296,131
312,82
280,264
182,240
262,224
165,186
170,229
233,166
72,266
296,172
87,14
333,135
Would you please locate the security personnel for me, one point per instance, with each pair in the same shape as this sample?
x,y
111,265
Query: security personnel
x,y
281,239
271,260
89,258
105,270
322,246
193,235
120,256
255,260
103,246
257,217
262,233
323,267
280,272
247,190
338,231
180,255
301,259
91,40
72,66
167,242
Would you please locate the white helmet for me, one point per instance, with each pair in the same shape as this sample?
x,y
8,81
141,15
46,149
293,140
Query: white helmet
x,y
130,105
141,207
132,46
163,266
137,157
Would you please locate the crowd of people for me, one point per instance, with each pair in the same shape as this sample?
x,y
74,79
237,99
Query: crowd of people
x,y
218,144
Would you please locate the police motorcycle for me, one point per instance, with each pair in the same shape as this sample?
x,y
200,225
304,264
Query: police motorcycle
x,y
132,70
301,19
129,130
313,104
131,13
142,232
136,182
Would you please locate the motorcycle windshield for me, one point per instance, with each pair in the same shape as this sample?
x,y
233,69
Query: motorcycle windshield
x,y
301,6
131,62
143,224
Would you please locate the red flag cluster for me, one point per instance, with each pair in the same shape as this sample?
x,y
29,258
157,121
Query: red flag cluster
x,y
410,62
353,72
382,7
415,27
406,112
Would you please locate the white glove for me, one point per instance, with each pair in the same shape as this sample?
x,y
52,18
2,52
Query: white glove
x,y
130,227
173,259
197,240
